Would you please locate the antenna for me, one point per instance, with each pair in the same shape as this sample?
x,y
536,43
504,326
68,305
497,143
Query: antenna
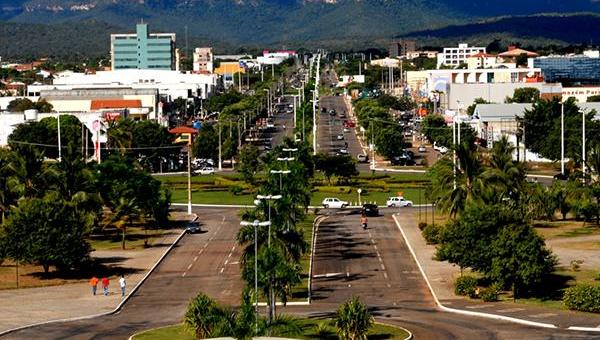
x,y
187,55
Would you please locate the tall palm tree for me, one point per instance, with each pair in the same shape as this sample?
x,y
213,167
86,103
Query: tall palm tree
x,y
10,188
203,316
124,214
506,176
353,320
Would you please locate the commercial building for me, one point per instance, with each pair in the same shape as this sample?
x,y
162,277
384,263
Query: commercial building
x,y
227,71
402,47
143,50
572,69
424,83
454,56
465,94
203,60
421,54
581,93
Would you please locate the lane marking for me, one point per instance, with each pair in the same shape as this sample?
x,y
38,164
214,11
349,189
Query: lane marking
x,y
226,261
327,275
235,262
183,275
196,258
190,266
385,275
382,267
222,270
375,246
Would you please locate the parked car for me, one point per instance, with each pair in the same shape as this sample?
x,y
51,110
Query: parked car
x,y
346,130
440,148
207,170
342,115
192,227
349,124
340,137
334,203
398,202
332,112
422,148
342,151
370,209
362,158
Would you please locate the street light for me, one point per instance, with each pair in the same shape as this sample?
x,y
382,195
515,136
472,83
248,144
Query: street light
x,y
269,198
268,101
256,224
281,173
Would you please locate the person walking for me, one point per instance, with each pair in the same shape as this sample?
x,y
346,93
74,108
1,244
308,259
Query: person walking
x,y
122,285
94,284
105,283
364,221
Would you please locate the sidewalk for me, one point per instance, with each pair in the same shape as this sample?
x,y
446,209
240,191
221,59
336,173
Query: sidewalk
x,y
442,274
21,307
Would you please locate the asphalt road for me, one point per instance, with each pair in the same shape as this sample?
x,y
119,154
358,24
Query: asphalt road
x,y
206,262
376,265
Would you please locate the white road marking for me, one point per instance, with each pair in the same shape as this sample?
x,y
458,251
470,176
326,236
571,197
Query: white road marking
x,y
379,258
222,270
382,267
190,266
234,262
183,275
195,258
385,275
327,275
226,261
375,246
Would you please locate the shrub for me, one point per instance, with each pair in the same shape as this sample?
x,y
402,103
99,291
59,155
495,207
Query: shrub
x,y
583,297
576,265
236,189
422,225
465,285
431,233
490,294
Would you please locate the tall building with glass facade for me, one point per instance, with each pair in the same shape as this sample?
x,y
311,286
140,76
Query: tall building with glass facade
x,y
583,69
143,50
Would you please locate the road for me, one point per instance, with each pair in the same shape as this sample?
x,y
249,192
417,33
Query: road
x,y
376,265
206,262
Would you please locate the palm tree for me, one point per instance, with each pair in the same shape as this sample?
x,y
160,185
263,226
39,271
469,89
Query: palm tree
x,y
353,320
203,316
120,135
124,214
10,188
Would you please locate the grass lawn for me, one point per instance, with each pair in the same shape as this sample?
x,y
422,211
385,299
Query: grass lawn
x,y
110,239
30,276
310,330
300,292
565,229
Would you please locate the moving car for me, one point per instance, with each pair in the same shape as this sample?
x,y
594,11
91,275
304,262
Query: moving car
x,y
349,124
362,158
422,148
340,137
440,148
398,201
207,170
192,227
370,209
343,151
334,203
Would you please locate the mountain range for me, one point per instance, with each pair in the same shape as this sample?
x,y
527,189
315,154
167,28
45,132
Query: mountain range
x,y
281,23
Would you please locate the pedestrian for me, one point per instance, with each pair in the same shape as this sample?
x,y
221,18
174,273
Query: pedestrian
x,y
105,283
122,285
94,284
364,221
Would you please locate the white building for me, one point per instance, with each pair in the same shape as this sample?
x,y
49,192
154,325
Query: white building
x,y
581,93
203,60
275,58
421,54
454,56
170,84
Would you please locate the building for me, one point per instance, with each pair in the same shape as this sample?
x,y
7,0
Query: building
x,y
386,62
465,94
143,50
227,71
274,58
482,60
581,93
402,48
454,56
421,54
203,60
571,69
426,83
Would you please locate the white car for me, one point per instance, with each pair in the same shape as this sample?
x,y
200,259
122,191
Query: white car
x,y
334,203
207,170
398,202
442,149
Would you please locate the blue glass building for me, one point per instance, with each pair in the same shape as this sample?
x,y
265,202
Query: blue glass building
x,y
143,50
569,69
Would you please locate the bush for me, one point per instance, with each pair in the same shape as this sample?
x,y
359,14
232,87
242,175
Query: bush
x,y
490,294
431,233
422,225
465,286
236,189
583,297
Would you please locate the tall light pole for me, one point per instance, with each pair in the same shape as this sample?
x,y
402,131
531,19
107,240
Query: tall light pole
x,y
269,198
268,102
314,121
256,224
583,151
59,142
562,139
281,173
220,151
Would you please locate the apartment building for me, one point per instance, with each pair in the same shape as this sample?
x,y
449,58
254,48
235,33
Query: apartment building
x,y
454,56
143,50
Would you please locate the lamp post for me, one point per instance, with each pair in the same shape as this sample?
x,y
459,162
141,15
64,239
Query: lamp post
x,y
359,190
314,121
256,224
269,198
281,173
562,139
268,102
583,151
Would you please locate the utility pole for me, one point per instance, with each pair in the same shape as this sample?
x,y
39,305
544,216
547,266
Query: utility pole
x,y
583,145
59,143
562,139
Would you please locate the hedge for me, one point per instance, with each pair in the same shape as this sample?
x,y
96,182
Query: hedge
x,y
465,285
583,297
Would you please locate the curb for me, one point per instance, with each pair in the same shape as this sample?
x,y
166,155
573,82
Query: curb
x,y
584,329
119,306
410,335
460,311
312,253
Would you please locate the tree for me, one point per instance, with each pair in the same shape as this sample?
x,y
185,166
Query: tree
x,y
206,144
507,177
10,188
248,163
471,108
353,320
22,104
203,316
342,166
520,258
593,99
436,130
124,214
389,141
524,95
49,231
154,144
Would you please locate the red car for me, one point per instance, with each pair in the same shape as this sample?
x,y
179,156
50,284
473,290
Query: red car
x,y
349,124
